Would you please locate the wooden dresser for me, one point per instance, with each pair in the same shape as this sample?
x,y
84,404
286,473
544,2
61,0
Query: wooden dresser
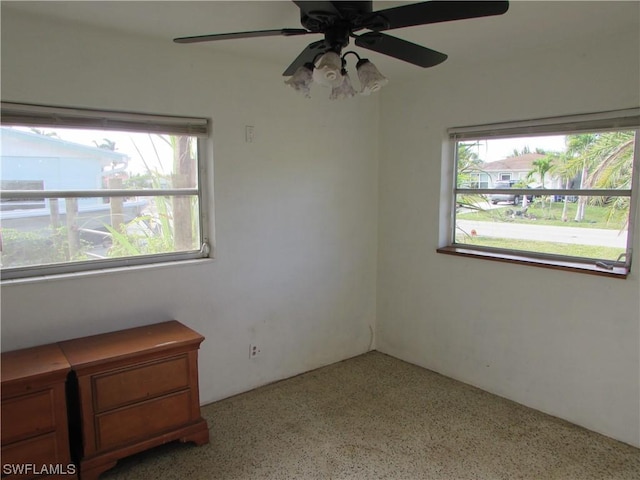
x,y
136,389
35,432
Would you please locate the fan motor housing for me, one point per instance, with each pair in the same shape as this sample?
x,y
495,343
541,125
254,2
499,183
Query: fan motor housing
x,y
336,37
318,20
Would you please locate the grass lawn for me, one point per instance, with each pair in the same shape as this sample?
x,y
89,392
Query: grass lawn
x,y
574,250
551,214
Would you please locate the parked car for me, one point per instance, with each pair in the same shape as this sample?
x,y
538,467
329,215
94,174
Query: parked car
x,y
495,198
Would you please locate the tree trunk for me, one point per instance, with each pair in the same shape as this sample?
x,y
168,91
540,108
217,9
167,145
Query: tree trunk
x,y
581,199
73,235
54,214
566,202
116,205
54,209
182,177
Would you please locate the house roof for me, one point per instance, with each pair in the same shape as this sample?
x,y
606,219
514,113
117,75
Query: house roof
x,y
102,154
523,163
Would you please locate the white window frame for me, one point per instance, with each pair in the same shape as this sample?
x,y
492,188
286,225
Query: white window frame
x,y
628,119
51,117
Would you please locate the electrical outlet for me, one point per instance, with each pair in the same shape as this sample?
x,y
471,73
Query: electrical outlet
x,y
254,351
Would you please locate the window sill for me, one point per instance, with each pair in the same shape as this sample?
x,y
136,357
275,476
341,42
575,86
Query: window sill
x,y
592,269
104,271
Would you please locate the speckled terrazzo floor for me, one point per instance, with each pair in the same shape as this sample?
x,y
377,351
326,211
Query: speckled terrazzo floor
x,y
376,417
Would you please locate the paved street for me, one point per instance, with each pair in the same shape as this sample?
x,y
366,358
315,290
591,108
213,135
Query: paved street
x,y
546,233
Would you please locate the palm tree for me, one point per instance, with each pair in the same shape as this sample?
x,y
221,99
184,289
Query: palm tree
x,y
615,151
106,144
517,153
577,145
606,161
615,168
540,168
469,168
39,131
469,164
566,170
172,226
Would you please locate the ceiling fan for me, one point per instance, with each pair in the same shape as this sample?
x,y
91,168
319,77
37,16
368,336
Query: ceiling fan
x,y
339,21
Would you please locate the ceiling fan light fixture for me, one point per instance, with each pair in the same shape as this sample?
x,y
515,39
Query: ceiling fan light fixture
x,y
344,90
328,71
302,79
339,20
371,80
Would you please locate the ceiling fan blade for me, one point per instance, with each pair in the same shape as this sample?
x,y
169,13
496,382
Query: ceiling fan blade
x,y
432,12
308,55
400,49
286,32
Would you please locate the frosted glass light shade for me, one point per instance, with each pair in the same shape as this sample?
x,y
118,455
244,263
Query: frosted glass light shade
x,y
301,80
328,70
371,80
344,90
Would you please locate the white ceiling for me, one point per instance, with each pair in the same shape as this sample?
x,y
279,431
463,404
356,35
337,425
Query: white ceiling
x,y
527,24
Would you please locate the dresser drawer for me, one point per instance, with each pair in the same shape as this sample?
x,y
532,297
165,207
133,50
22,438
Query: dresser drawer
x,y
35,412
143,420
41,450
142,382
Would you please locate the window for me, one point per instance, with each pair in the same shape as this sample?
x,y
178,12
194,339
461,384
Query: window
x,y
573,205
478,180
85,190
22,203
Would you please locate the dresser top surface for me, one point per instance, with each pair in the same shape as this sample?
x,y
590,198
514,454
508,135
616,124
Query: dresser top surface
x,y
30,363
121,344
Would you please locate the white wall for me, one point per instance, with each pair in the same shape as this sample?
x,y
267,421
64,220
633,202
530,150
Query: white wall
x,y
296,210
564,343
